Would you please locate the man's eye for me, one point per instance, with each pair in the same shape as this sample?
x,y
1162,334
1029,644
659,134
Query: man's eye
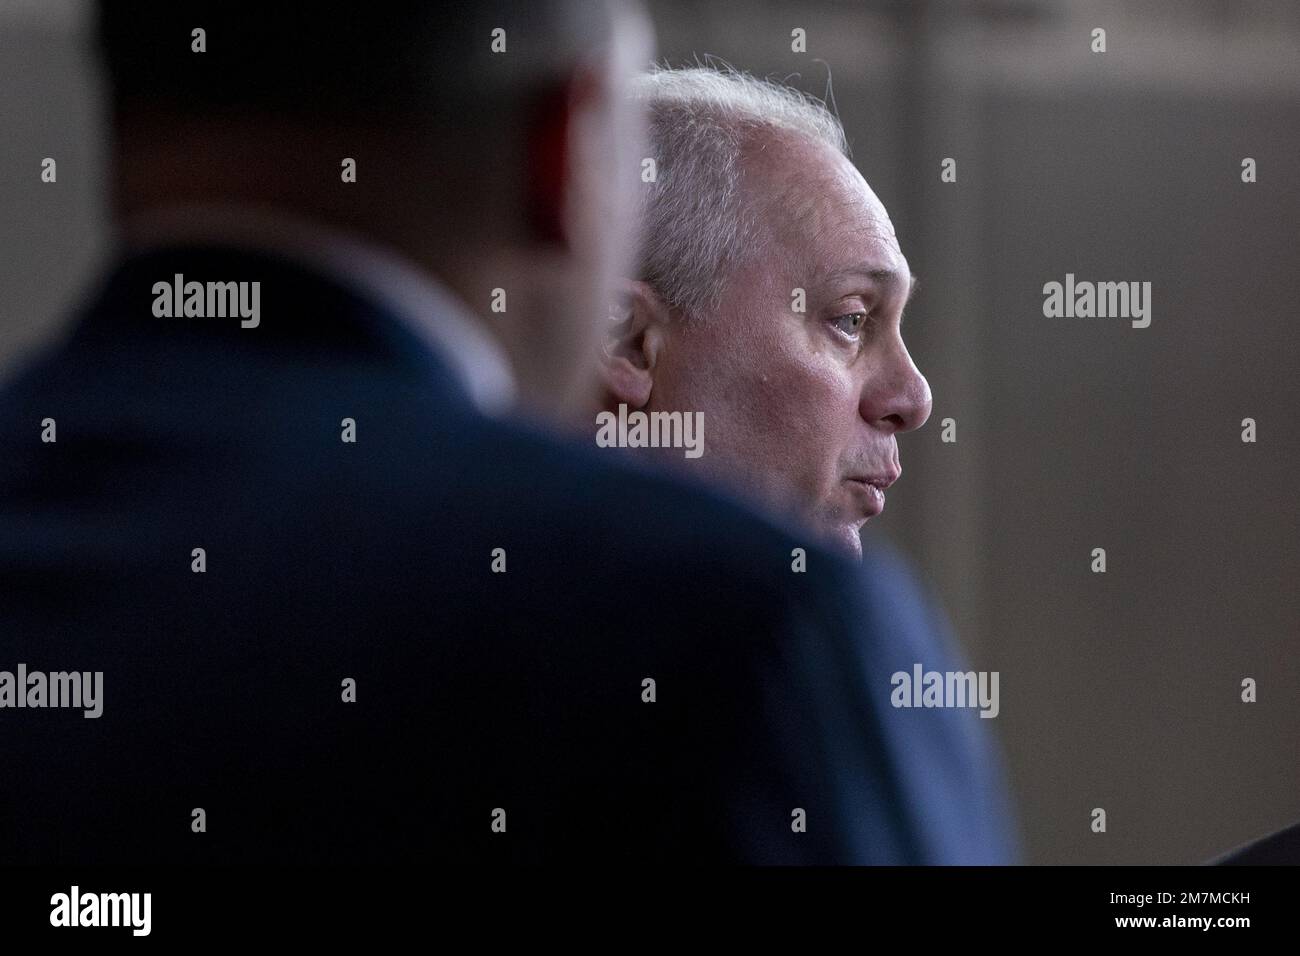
x,y
852,323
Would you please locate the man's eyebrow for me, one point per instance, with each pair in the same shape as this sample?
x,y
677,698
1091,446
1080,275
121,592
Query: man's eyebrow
x,y
886,278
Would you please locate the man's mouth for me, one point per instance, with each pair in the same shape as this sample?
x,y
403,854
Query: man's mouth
x,y
871,496
871,491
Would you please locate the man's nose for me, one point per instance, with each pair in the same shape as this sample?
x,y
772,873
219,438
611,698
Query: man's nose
x,y
896,396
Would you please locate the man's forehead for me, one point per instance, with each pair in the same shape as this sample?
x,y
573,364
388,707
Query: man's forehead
x,y
827,218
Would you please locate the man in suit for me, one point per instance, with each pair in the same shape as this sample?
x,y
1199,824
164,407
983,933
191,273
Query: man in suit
x,y
335,608
769,300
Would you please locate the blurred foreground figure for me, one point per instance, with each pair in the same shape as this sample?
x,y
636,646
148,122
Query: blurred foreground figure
x,y
338,609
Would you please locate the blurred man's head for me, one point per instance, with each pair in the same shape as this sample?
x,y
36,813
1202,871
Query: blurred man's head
x,y
487,142
769,297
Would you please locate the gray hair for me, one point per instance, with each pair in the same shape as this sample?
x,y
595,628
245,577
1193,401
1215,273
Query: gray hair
x,y
696,222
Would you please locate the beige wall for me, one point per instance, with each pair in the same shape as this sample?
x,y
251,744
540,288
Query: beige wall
x,y
51,234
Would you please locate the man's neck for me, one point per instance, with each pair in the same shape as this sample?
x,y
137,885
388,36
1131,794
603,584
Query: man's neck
x,y
372,268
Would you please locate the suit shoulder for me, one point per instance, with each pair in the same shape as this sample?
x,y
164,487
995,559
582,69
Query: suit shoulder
x,y
563,488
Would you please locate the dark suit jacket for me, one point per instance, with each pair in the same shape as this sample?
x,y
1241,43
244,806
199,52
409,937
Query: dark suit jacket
x,y
371,561
961,755
1277,849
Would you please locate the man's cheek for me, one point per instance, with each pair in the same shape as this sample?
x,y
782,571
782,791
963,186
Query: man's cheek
x,y
812,482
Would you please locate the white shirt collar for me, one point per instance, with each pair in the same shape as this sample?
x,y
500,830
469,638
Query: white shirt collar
x,y
431,310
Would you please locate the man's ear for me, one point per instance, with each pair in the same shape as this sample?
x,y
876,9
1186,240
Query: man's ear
x,y
632,344
548,158
558,154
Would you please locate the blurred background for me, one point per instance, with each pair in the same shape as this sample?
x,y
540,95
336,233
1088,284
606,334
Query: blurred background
x,y
1118,690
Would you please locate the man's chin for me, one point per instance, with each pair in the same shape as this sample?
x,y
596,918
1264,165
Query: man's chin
x,y
846,539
